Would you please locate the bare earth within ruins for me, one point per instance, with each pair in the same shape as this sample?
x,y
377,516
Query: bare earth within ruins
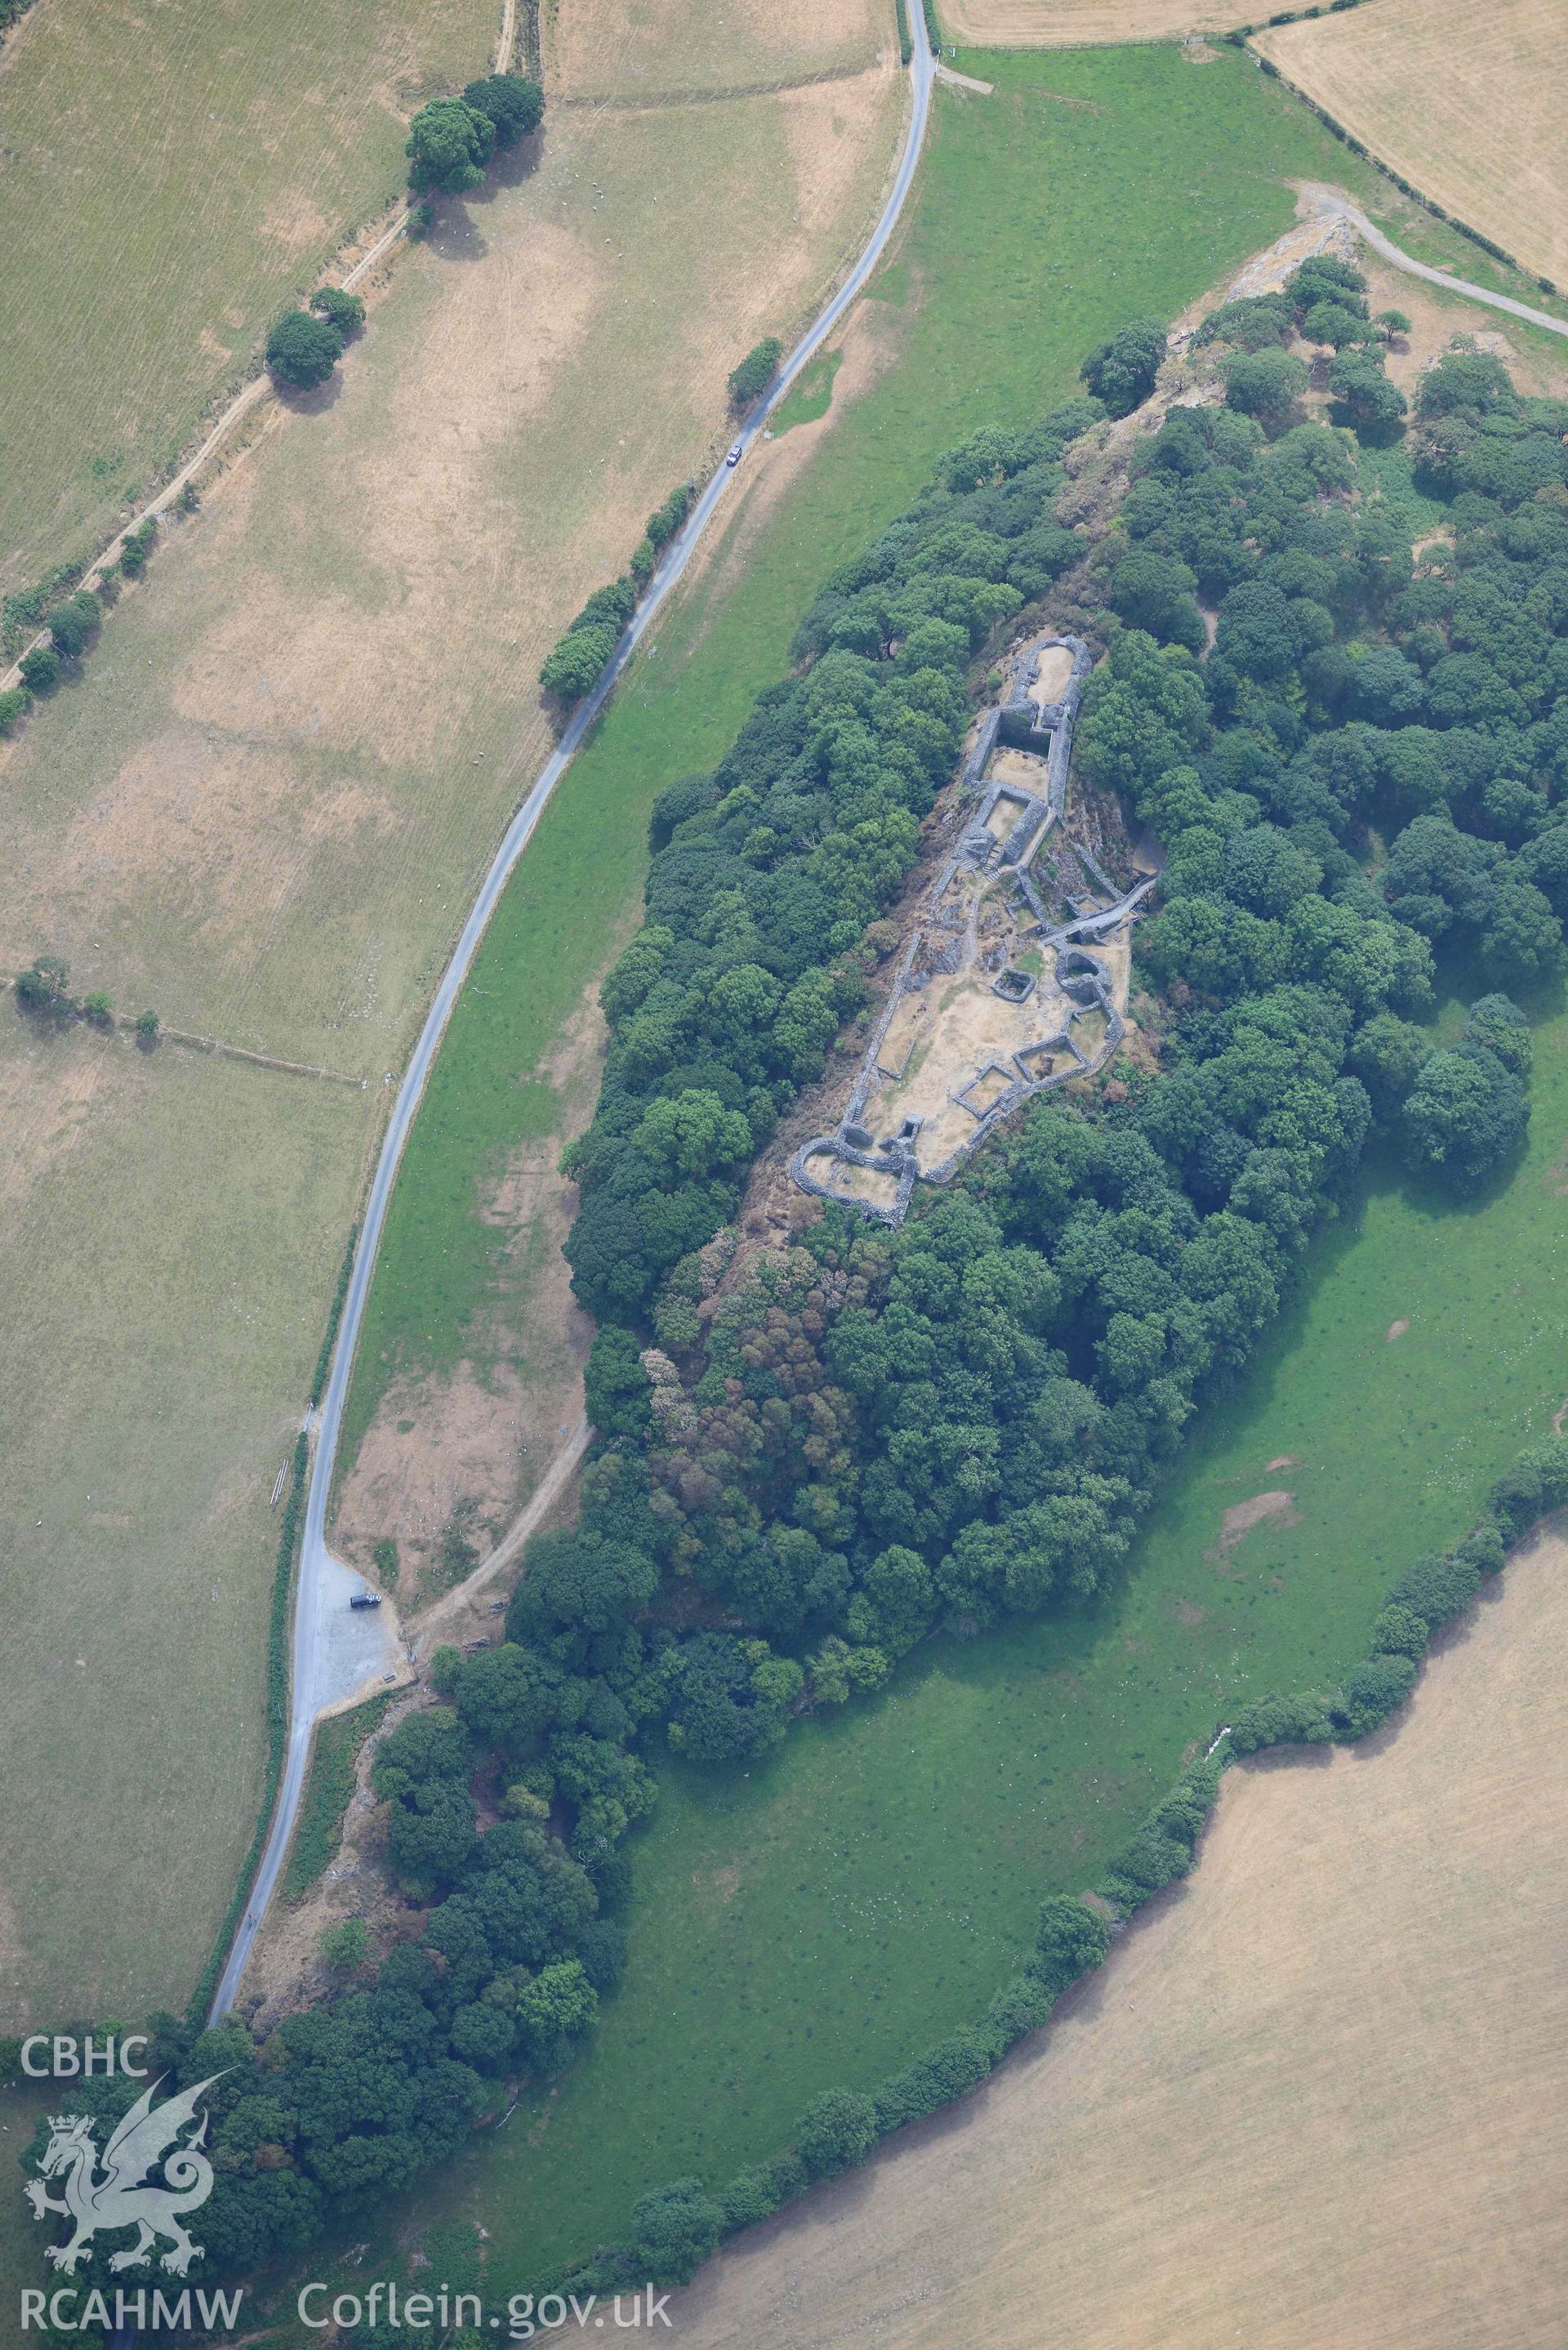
x,y
1015,976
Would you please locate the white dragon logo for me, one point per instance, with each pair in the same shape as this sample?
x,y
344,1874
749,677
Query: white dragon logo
x,y
120,2197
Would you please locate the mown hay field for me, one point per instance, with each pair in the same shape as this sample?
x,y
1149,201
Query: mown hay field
x,y
171,177
1318,2095
1466,103
261,809
1070,23
633,58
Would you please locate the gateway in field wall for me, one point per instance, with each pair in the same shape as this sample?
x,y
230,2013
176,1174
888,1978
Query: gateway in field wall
x,y
1014,979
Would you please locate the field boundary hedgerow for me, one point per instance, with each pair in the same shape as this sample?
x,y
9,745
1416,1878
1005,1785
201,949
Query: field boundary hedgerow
x,y
1131,38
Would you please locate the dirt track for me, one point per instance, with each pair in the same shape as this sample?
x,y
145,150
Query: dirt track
x,y
1317,2098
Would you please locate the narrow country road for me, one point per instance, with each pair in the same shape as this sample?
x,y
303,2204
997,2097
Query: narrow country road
x,y
1328,200
322,1578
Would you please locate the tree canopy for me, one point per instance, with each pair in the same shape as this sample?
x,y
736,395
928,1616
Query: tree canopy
x,y
1266,384
511,104
1120,373
302,351
1467,1110
449,143
752,378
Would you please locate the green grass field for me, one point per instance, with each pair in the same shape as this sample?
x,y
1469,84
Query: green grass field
x,y
811,396
172,177
1039,226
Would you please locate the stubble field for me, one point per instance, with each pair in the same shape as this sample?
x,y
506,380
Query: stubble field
x,y
172,178
1071,23
1465,103
1318,2095
262,810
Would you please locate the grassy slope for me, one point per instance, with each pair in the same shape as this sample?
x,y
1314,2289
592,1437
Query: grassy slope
x,y
1030,243
329,1790
173,178
865,1891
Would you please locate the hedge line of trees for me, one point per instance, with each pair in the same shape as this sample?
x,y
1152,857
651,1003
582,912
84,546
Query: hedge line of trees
x,y
675,2229
305,346
756,372
883,1432
574,665
42,990
25,607
577,660
451,143
73,625
73,619
906,45
453,140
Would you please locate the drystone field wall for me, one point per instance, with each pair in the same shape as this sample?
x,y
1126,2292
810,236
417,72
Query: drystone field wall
x,y
1014,978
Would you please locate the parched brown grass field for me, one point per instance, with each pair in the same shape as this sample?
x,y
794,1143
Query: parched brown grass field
x,y
170,177
1316,2100
1466,103
261,809
1070,23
